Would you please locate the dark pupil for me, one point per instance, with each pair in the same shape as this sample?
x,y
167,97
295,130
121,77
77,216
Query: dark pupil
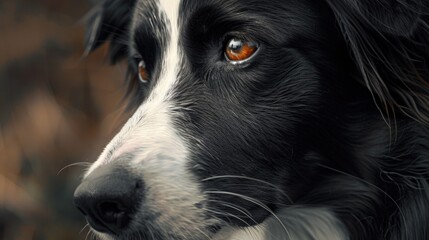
x,y
235,45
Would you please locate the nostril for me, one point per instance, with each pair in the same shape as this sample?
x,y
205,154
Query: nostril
x,y
113,212
139,185
107,216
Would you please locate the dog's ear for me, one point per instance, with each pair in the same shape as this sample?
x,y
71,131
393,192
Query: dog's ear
x,y
389,41
396,17
109,20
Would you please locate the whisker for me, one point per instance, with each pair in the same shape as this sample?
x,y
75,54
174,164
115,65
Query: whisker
x,y
83,164
254,201
249,178
205,234
88,233
235,207
251,187
223,222
87,225
227,214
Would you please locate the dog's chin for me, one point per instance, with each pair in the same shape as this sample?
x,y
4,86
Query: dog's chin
x,y
150,236
215,232
130,235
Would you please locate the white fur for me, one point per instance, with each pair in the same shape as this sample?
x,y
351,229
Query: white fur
x,y
300,224
156,152
156,110
159,155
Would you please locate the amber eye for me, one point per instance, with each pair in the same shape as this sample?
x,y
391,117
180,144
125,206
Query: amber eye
x,y
239,50
142,72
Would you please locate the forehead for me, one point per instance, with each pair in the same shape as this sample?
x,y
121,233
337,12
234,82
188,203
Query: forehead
x,y
157,15
156,11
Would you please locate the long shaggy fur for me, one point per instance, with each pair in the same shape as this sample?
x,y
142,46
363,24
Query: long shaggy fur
x,y
389,40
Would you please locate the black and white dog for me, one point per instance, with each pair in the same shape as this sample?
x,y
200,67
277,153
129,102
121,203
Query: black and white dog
x,y
265,120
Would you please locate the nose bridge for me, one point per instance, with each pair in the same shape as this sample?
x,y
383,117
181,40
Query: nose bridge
x,y
152,120
114,175
148,127
151,126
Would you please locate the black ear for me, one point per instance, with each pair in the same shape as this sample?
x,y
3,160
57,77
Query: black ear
x,y
396,17
109,20
389,41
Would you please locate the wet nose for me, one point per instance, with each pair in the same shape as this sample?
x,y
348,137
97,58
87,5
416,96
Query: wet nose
x,y
108,198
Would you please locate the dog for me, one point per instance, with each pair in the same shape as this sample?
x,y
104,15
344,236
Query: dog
x,y
265,120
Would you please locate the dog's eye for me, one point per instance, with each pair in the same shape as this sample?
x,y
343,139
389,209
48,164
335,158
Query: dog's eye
x,y
238,50
142,72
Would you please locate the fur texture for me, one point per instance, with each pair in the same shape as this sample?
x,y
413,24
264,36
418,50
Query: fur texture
x,y
323,134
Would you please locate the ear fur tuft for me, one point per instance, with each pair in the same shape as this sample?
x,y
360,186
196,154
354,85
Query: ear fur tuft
x,y
109,21
389,40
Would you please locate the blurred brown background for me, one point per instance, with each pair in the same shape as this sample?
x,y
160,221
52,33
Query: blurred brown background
x,y
56,109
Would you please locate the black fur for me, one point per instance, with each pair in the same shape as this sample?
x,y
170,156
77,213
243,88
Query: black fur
x,y
110,21
334,109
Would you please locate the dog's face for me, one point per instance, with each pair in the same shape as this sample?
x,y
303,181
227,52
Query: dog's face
x,y
230,94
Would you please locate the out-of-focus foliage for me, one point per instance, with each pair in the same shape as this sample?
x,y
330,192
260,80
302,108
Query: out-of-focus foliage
x,y
56,109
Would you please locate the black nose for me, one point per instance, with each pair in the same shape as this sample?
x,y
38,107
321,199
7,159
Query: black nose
x,y
108,198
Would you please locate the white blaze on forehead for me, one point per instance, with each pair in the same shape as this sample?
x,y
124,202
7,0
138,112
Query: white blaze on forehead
x,y
153,148
172,57
152,121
